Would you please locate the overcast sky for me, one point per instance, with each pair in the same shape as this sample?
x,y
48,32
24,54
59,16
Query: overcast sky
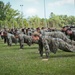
x,y
36,7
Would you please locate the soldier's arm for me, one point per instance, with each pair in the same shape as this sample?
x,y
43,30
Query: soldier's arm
x,y
46,46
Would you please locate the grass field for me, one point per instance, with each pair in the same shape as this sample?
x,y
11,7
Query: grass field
x,y
14,61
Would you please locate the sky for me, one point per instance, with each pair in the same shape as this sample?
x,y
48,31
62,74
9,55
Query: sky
x,y
43,8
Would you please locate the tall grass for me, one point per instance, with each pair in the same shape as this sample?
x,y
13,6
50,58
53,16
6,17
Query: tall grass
x,y
14,61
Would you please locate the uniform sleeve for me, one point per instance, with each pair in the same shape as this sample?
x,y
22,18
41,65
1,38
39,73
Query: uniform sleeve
x,y
45,44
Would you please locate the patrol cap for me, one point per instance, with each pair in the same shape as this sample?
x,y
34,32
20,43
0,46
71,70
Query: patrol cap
x,y
36,33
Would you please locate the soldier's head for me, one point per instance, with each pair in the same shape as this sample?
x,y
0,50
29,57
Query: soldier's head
x,y
35,36
69,31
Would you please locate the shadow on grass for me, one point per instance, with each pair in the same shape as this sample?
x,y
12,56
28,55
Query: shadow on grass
x,y
65,55
16,47
30,47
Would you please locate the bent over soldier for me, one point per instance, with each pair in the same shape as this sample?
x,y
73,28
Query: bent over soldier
x,y
24,39
11,39
53,44
58,34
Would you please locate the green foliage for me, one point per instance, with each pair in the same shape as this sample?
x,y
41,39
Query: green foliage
x,y
12,18
60,20
2,14
34,21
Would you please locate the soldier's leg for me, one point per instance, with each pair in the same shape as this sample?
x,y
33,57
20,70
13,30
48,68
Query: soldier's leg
x,y
70,48
2,37
41,49
9,41
65,46
5,39
21,41
14,40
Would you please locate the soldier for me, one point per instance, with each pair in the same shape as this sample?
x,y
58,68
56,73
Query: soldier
x,y
52,44
36,38
58,34
5,35
24,39
11,39
70,33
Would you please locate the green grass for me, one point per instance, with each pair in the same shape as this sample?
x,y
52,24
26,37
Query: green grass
x,y
14,61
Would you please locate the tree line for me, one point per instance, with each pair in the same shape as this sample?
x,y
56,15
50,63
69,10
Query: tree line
x,y
11,18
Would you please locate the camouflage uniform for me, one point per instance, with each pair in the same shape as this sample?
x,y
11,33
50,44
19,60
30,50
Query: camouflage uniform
x,y
24,39
53,44
58,34
40,46
11,39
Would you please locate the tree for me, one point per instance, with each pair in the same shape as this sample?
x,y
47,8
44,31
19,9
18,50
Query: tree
x,y
2,13
7,14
